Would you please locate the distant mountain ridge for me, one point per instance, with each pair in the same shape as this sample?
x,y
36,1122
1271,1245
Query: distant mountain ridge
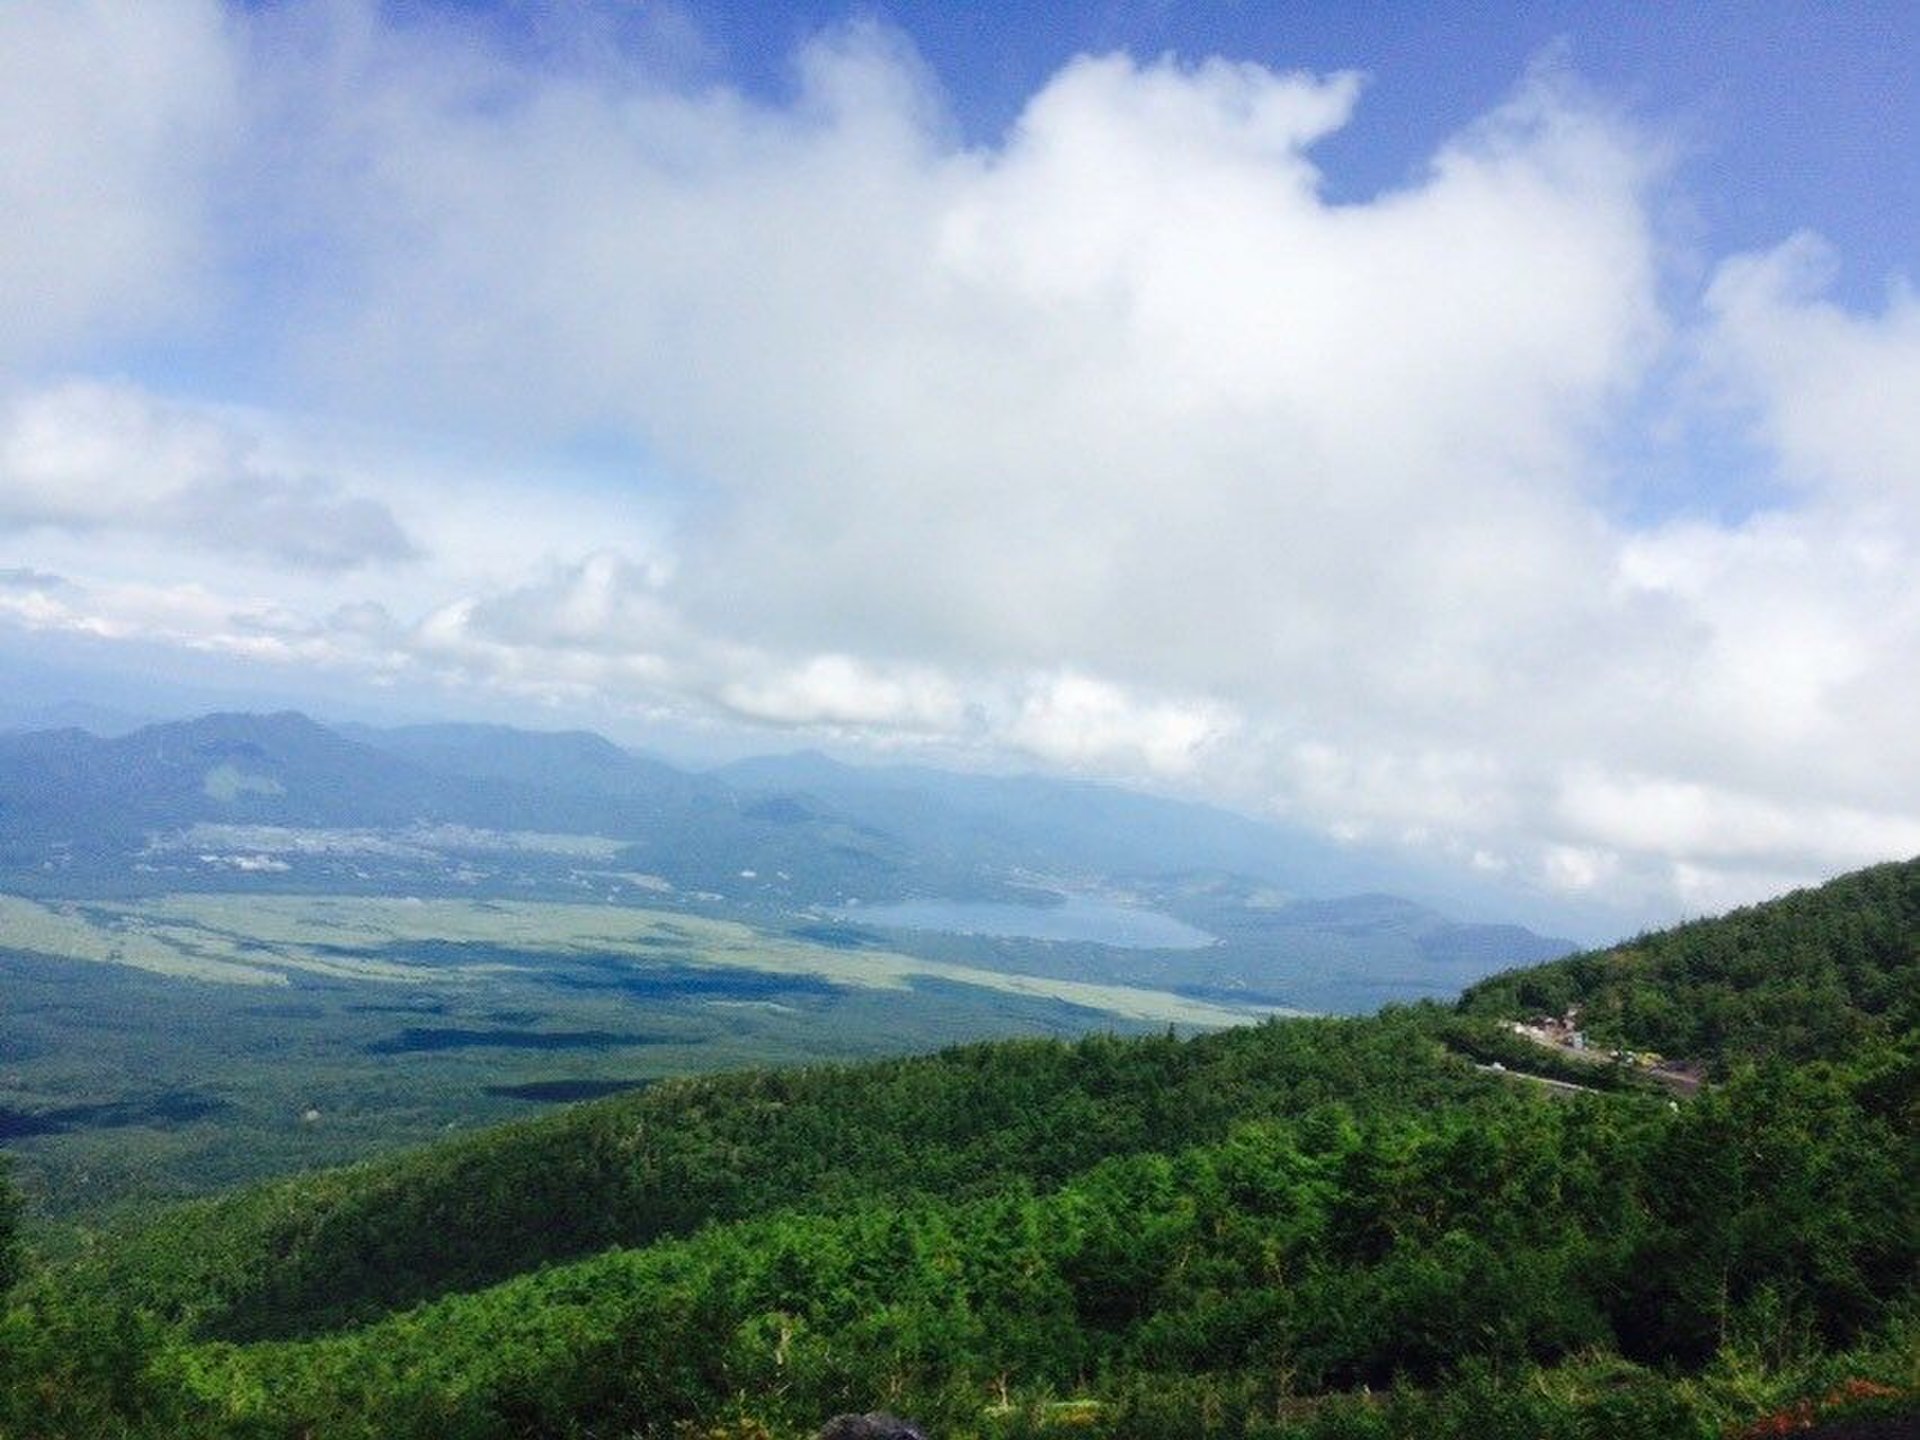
x,y
188,804
100,720
571,762
104,799
73,788
1036,821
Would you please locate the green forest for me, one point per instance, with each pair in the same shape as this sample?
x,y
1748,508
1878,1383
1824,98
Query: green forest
x,y
1305,1227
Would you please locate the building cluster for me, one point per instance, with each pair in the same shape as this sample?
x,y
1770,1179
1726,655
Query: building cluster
x,y
1563,1032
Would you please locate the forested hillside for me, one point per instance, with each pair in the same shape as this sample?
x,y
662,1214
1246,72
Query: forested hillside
x,y
311,1253
1306,1227
1816,974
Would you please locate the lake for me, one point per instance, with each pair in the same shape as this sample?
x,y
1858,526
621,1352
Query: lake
x,y
1077,917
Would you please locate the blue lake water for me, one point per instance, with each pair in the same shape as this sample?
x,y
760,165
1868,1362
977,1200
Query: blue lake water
x,y
1077,917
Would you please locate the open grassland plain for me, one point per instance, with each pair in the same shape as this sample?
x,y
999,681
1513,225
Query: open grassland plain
x,y
169,1046
270,940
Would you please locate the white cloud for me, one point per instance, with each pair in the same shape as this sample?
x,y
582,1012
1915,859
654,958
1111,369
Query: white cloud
x,y
1574,869
1115,445
1077,721
1634,814
841,691
113,116
184,613
84,456
605,603
1836,393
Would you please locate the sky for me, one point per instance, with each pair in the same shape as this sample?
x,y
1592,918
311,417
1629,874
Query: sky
x,y
1486,432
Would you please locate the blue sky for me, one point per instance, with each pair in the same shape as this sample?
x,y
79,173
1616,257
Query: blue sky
x,y
1487,432
1787,113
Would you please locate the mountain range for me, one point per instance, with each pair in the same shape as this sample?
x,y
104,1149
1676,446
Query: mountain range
x,y
281,802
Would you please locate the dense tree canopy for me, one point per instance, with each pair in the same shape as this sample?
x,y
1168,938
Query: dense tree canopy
x,y
9,1228
1326,1228
1815,975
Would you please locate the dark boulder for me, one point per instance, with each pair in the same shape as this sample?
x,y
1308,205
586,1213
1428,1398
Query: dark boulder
x,y
874,1425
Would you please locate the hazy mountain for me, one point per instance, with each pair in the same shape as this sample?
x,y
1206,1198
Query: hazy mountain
x,y
569,762
71,715
1055,826
95,795
279,800
76,806
1044,824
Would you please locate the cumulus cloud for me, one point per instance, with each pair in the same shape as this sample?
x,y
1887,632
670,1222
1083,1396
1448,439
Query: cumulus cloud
x,y
115,118
1077,397
1835,393
20,577
839,690
86,456
1114,445
1084,723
